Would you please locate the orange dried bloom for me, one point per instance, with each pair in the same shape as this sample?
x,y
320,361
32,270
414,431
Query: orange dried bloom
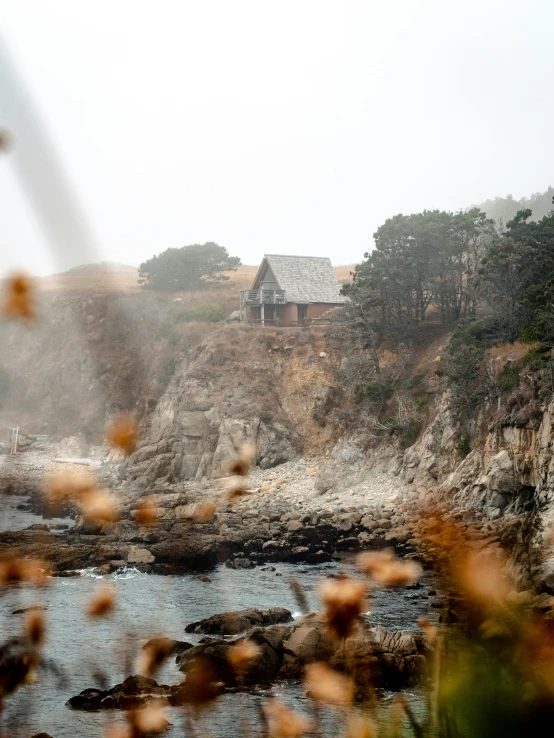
x,y
155,653
481,579
123,434
204,677
99,506
236,490
149,720
326,685
344,600
360,726
146,512
69,485
241,654
204,512
14,570
284,722
430,631
241,466
103,601
387,570
34,627
20,300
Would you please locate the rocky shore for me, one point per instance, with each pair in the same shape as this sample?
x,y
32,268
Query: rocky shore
x,y
393,659
304,511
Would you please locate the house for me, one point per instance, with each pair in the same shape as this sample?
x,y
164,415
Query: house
x,y
291,290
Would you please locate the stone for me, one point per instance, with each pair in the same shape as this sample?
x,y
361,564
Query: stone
x,y
294,525
238,621
138,555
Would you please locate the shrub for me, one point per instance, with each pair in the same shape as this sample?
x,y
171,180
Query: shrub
x,y
207,312
530,332
508,379
410,434
463,444
420,404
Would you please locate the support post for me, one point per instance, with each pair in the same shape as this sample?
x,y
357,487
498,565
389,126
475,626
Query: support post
x,y
262,312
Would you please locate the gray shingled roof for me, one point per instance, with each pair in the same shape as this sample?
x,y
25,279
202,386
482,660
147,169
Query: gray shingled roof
x,y
306,278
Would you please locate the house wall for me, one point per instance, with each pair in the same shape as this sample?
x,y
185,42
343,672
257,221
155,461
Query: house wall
x,y
317,309
288,313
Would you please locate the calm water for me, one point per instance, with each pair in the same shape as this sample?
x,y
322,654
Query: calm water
x,y
148,605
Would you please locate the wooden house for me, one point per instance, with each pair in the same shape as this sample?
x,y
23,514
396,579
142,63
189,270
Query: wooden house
x,y
291,290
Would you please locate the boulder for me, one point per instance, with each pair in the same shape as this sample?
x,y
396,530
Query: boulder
x,y
138,555
239,621
134,692
389,659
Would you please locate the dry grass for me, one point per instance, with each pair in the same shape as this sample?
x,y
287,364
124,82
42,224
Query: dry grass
x,y
95,279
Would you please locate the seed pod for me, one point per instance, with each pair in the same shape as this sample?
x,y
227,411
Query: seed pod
x,y
326,685
103,601
123,434
344,600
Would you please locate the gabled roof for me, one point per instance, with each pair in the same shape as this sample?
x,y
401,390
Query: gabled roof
x,y
305,279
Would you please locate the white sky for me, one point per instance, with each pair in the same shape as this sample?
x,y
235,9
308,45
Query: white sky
x,y
282,127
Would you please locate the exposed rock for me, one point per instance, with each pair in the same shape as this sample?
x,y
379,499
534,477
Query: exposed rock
x,y
392,658
167,645
134,692
238,621
138,555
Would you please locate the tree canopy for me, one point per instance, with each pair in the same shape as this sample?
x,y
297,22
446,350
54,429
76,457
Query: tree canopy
x,y
187,268
423,260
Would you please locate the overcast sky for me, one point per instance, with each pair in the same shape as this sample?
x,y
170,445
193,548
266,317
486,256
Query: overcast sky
x,y
282,127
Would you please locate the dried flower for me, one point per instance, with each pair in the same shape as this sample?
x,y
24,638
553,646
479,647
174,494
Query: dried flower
x,y
204,512
236,490
123,434
241,654
480,577
34,627
14,570
429,630
155,653
69,485
204,677
360,726
103,601
241,466
284,722
99,506
388,571
344,599
150,719
146,512
299,595
20,301
326,685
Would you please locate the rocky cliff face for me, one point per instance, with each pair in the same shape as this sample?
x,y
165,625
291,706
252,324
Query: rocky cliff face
x,y
241,385
510,467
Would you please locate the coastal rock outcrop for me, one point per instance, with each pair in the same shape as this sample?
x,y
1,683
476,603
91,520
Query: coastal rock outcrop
x,y
388,658
238,621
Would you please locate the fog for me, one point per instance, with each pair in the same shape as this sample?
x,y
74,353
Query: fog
x,y
290,127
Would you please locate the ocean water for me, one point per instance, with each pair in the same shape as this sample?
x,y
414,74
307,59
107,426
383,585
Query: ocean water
x,y
148,605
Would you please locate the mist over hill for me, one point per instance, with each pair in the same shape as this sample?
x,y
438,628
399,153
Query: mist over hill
x,y
503,209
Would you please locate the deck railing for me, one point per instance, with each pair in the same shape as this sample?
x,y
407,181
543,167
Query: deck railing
x,y
253,298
